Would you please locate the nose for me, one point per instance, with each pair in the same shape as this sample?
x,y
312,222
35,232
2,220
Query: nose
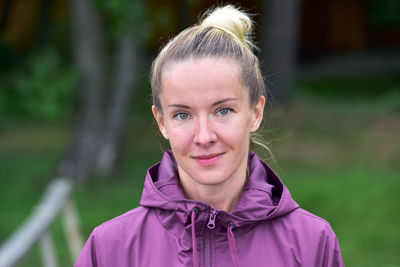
x,y
205,134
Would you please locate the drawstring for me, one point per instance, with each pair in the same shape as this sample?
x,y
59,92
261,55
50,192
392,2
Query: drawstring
x,y
194,240
232,245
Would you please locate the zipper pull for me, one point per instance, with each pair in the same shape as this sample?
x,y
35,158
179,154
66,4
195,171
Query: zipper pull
x,y
211,220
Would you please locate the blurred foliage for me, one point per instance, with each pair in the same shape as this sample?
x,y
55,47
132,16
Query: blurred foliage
x,y
40,83
384,12
353,88
7,56
41,87
126,17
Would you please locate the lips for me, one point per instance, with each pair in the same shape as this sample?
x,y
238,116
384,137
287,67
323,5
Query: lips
x,y
208,160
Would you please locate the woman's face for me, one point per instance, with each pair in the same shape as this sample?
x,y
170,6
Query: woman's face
x,y
207,119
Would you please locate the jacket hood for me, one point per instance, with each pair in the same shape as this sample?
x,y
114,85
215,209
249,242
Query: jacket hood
x,y
264,197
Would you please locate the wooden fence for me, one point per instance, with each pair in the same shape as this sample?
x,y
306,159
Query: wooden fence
x,y
36,229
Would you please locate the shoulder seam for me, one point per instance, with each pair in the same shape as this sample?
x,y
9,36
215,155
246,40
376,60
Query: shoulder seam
x,y
123,216
315,217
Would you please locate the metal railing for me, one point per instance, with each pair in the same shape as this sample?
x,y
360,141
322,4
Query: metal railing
x,y
36,229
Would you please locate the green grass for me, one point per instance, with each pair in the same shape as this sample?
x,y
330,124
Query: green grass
x,y
338,158
362,207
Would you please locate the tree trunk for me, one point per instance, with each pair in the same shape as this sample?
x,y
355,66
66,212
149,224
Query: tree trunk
x,y
280,45
124,79
89,42
5,12
43,29
97,139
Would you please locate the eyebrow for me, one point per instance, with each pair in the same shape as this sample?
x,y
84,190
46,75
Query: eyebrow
x,y
215,104
224,100
178,106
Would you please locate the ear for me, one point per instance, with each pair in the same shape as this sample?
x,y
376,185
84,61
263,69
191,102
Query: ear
x,y
160,121
257,116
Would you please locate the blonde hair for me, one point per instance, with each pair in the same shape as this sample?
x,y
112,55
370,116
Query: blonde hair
x,y
222,32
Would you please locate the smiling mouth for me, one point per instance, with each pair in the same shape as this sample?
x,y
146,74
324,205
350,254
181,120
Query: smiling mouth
x,y
208,160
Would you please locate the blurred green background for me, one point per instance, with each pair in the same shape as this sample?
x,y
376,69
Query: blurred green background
x,y
334,135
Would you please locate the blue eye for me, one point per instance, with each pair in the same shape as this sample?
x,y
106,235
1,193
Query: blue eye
x,y
224,111
181,116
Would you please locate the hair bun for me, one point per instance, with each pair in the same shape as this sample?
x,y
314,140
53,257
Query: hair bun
x,y
231,20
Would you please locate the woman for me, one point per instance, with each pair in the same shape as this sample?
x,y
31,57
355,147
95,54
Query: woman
x,y
210,201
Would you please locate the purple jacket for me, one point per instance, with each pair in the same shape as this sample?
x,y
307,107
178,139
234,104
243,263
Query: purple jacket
x,y
267,228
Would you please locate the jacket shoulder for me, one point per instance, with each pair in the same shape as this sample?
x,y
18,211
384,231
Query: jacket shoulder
x,y
306,215
311,222
127,215
119,223
107,243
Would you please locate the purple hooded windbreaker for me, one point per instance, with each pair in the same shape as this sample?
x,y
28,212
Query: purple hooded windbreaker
x,y
267,228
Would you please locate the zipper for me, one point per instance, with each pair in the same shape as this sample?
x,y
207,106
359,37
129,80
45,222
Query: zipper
x,y
211,220
211,226
207,261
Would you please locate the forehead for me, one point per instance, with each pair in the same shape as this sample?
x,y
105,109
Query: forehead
x,y
200,79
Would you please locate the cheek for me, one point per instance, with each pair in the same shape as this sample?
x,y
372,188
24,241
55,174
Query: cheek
x,y
236,133
179,139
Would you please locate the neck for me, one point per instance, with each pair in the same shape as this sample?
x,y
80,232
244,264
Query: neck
x,y
221,196
218,198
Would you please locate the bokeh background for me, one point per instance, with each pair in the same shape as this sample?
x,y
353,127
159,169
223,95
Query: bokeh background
x,y
75,101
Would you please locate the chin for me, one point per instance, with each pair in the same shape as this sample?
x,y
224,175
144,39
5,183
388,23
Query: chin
x,y
210,178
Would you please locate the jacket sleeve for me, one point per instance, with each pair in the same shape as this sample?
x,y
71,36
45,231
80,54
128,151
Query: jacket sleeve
x,y
90,254
330,254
